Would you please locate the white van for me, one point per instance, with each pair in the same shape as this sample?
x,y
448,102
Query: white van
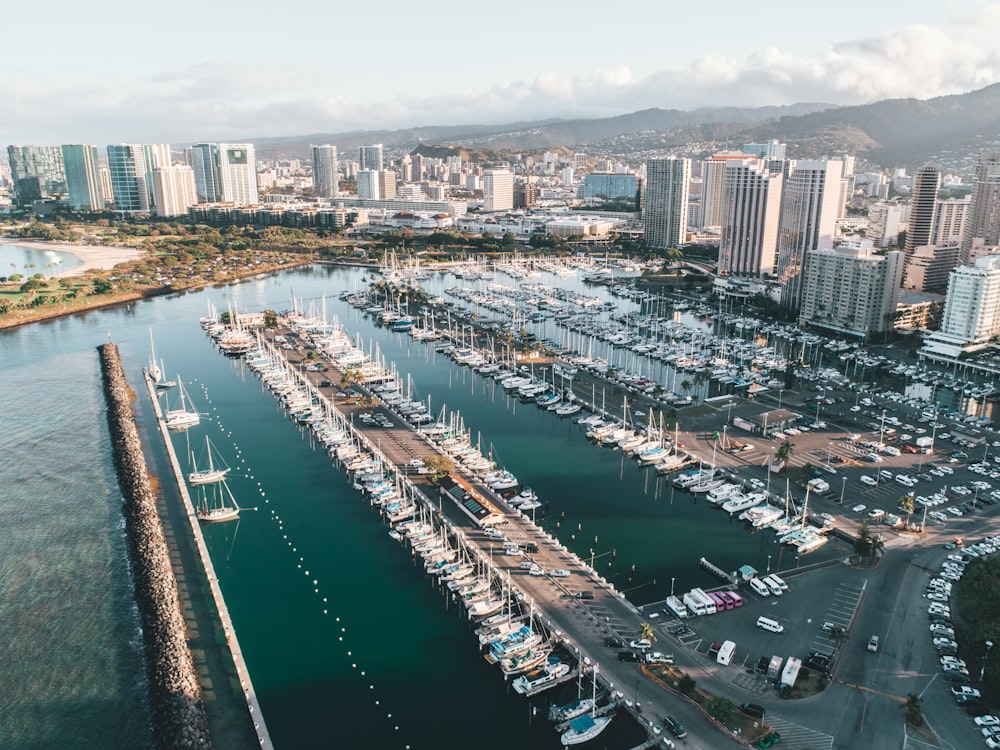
x,y
772,585
759,587
771,626
725,654
774,577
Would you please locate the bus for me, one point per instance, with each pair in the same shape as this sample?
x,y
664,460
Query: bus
x,y
726,599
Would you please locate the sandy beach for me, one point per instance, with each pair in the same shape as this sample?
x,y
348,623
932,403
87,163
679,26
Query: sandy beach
x,y
93,256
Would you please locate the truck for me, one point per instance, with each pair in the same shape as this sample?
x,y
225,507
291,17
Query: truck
x,y
774,668
695,605
818,485
790,673
924,443
677,607
725,654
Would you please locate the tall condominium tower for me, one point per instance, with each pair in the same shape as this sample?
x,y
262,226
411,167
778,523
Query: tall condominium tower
x,y
752,200
923,199
809,209
666,203
498,190
238,173
83,177
173,190
984,214
368,185
326,181
127,164
370,157
971,315
204,160
37,172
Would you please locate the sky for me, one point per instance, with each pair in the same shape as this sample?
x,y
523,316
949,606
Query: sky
x,y
113,71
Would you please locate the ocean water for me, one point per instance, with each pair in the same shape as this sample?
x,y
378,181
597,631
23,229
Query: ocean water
x,y
28,260
347,642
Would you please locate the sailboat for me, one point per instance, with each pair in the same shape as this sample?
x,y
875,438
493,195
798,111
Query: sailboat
x,y
216,503
155,368
181,419
586,727
208,475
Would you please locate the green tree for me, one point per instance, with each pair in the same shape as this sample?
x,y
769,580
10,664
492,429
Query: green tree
x,y
914,710
838,635
439,465
721,709
270,319
686,685
647,632
784,452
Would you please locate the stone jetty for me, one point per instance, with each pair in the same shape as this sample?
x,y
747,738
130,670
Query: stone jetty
x,y
175,694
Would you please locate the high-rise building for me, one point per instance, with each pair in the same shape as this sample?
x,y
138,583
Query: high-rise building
x,y
238,173
326,180
498,190
886,221
770,151
850,289
204,160
368,184
37,172
387,184
809,210
610,187
748,241
83,177
713,180
106,191
370,157
950,217
984,213
173,190
127,164
525,193
923,199
971,315
929,267
665,206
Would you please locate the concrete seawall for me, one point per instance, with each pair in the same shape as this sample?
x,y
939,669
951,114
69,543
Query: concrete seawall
x,y
175,694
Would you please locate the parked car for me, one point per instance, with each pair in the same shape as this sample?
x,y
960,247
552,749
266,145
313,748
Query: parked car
x,y
676,728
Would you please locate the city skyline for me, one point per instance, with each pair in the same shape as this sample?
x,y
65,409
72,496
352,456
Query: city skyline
x,y
226,90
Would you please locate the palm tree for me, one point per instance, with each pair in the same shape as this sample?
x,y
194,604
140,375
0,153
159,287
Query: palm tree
x,y
838,635
647,632
784,452
914,710
685,386
906,504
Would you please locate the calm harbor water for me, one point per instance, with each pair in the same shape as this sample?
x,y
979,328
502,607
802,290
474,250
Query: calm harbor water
x,y
348,644
28,260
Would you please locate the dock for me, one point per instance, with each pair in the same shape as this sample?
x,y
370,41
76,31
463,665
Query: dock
x,y
249,694
716,571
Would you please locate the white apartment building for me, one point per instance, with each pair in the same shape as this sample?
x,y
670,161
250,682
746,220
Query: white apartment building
x,y
950,217
325,171
971,315
368,184
238,173
850,289
173,190
664,210
749,238
498,190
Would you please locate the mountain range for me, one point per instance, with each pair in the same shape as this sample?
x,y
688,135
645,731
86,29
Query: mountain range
x,y
895,132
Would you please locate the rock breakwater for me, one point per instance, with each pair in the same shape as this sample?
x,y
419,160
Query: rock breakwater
x,y
179,721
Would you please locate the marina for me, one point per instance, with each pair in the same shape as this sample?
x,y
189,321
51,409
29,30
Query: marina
x,y
633,526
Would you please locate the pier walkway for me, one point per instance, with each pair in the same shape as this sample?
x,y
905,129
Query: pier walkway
x,y
219,680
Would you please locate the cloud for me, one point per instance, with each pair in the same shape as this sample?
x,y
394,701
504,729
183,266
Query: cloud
x,y
230,100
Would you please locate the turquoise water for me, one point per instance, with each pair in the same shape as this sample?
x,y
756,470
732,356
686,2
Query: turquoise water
x,y
28,260
347,642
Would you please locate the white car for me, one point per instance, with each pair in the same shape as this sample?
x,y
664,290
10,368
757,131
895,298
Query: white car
x,y
859,508
987,721
870,481
641,643
559,573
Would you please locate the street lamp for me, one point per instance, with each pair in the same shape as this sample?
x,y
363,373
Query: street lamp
x,y
982,670
843,487
671,587
768,565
